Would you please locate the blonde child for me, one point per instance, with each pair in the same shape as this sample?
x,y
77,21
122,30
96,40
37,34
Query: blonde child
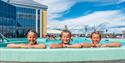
x,y
32,38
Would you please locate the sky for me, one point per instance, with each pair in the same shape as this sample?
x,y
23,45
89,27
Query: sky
x,y
91,14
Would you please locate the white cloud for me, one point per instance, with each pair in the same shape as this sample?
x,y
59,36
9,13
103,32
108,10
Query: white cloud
x,y
104,2
111,18
57,7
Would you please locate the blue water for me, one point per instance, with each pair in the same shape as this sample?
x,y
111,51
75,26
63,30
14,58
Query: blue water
x,y
77,40
81,40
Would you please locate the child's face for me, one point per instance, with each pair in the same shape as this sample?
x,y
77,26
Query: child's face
x,y
66,37
32,37
96,38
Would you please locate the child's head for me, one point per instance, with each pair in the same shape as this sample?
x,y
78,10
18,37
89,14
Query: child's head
x,y
96,37
65,36
32,37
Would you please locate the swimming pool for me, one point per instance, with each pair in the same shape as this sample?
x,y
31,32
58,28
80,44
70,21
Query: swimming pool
x,y
81,40
61,54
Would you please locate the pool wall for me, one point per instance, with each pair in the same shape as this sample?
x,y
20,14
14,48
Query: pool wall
x,y
62,55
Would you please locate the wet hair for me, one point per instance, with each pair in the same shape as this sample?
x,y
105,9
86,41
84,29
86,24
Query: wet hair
x,y
65,31
32,31
96,32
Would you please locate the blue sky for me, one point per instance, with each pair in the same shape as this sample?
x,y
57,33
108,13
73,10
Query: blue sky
x,y
76,14
88,8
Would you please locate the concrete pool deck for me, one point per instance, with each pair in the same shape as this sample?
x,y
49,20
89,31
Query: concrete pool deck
x,y
115,61
62,55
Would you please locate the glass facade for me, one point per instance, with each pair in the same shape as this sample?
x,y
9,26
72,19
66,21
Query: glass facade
x,y
7,19
26,20
16,21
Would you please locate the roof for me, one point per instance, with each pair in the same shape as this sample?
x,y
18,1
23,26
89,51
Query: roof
x,y
28,3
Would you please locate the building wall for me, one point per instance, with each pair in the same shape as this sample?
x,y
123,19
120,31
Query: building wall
x,y
44,23
18,19
26,20
123,34
7,19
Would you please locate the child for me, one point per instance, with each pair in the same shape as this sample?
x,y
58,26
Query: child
x,y
65,37
32,38
96,38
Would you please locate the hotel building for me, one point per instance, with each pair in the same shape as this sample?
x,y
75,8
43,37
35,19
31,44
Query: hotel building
x,y
19,16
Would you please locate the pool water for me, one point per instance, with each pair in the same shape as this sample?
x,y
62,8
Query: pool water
x,y
76,40
79,40
20,41
61,55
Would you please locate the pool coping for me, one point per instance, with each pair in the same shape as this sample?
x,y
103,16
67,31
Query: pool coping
x,y
61,55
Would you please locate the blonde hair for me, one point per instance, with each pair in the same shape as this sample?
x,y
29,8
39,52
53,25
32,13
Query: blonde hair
x,y
96,32
32,32
65,31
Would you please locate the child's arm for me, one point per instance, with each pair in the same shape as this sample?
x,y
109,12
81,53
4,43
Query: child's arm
x,y
74,46
86,45
13,45
56,46
39,46
113,44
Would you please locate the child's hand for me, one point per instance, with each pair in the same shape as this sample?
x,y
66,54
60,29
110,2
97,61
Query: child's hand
x,y
56,45
26,46
99,45
66,46
105,45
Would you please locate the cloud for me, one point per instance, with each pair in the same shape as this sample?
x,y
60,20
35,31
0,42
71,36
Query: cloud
x,y
108,18
104,2
98,17
56,7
